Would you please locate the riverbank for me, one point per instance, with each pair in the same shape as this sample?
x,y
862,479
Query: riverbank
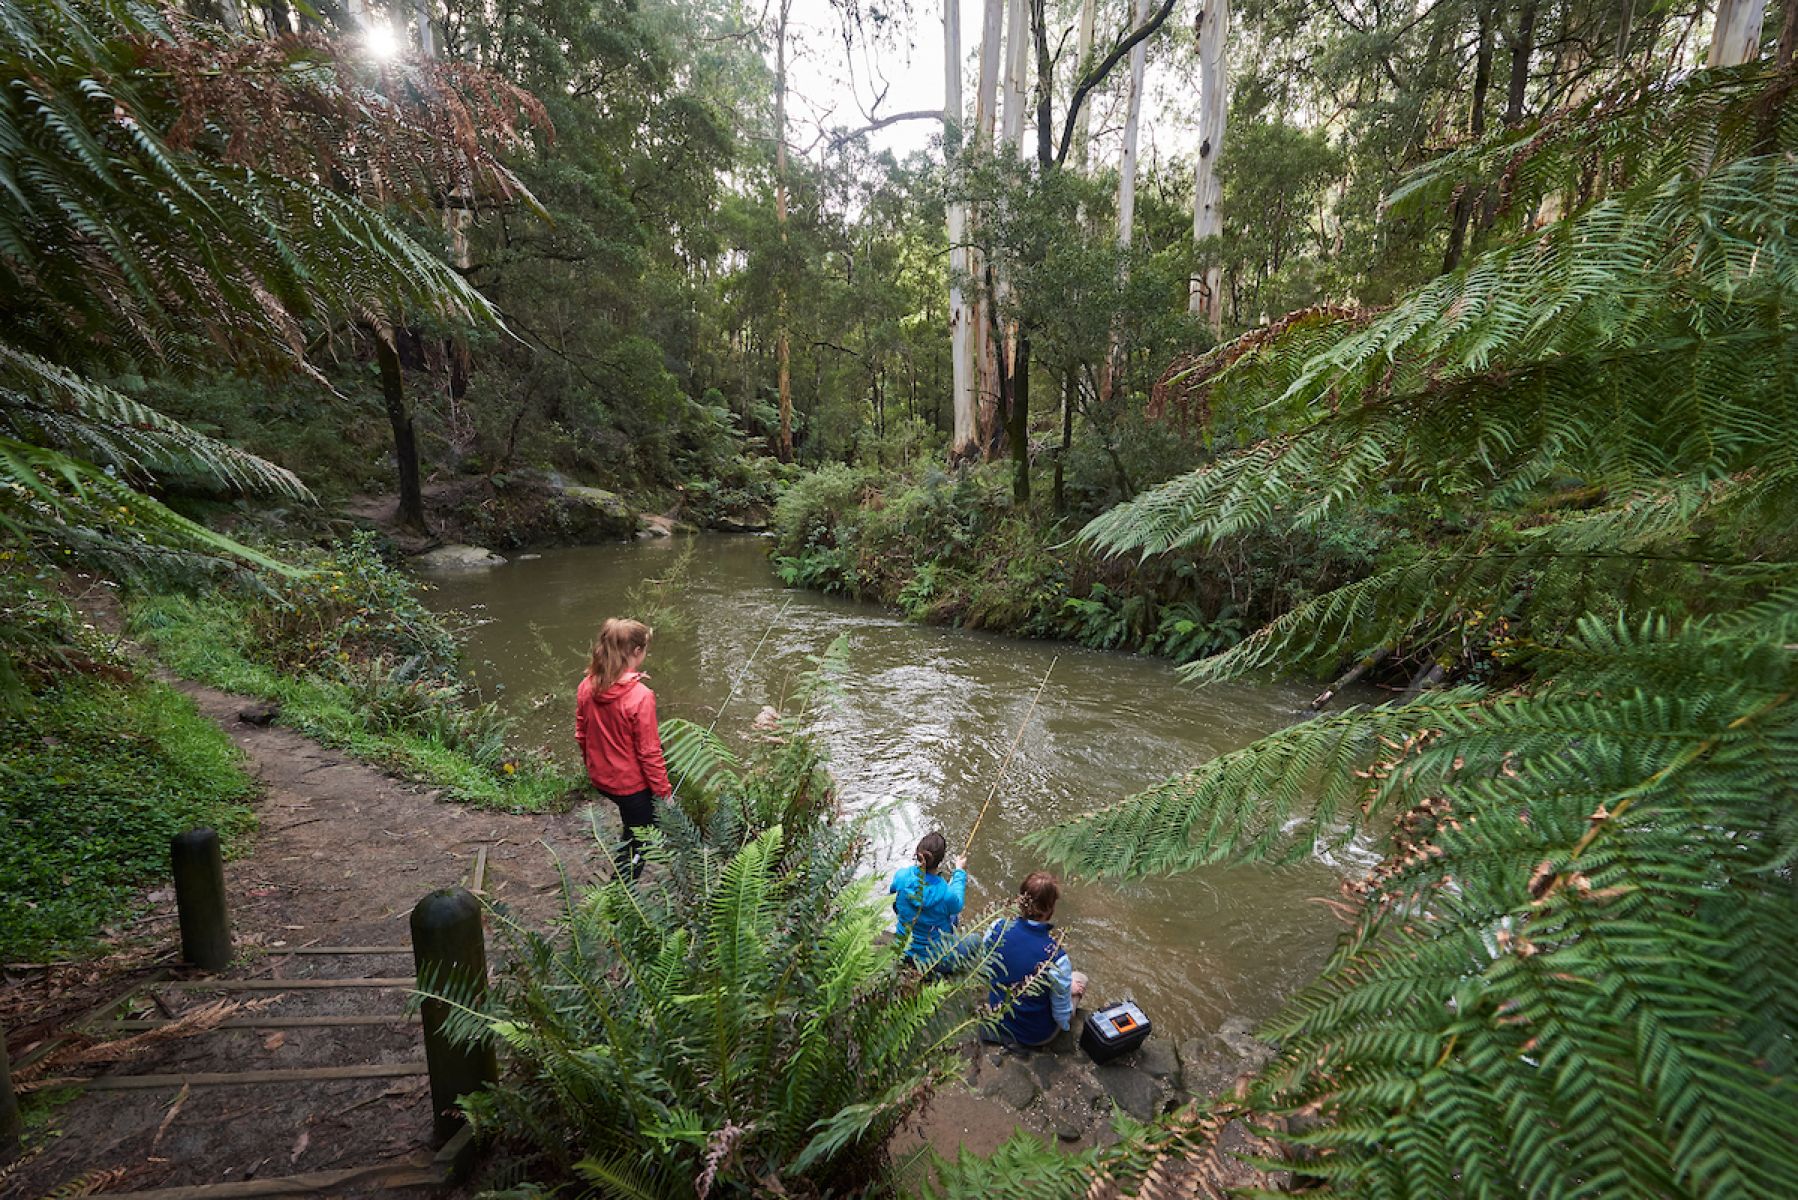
x,y
347,654
953,549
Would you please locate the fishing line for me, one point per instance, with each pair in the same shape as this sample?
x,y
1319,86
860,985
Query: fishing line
x,y
735,684
1015,742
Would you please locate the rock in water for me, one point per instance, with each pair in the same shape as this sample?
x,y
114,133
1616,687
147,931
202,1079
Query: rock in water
x,y
1238,1036
459,558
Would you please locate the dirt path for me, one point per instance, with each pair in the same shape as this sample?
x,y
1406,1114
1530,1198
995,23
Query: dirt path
x,y
342,855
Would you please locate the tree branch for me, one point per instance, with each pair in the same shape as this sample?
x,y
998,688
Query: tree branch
x,y
1096,76
921,114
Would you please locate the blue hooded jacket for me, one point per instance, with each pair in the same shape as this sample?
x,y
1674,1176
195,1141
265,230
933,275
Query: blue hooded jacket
x,y
926,908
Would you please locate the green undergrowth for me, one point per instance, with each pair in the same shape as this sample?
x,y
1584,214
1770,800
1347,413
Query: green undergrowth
x,y
356,662
952,549
96,775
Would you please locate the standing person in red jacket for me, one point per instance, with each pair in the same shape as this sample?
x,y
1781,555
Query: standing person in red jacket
x,y
615,725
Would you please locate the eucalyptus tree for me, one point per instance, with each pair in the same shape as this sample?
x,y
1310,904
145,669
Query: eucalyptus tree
x,y
1212,30
1006,189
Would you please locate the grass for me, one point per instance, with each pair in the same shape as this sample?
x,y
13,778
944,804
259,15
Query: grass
x,y
95,778
202,638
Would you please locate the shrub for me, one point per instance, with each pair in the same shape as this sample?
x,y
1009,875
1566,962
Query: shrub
x,y
351,607
356,661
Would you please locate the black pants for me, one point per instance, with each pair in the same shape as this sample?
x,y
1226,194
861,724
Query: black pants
x,y
637,811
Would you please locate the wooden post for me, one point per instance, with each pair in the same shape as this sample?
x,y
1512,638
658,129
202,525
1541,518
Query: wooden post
x,y
199,872
449,948
9,1108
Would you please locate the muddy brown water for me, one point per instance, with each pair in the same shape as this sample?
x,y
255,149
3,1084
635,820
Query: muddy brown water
x,y
923,718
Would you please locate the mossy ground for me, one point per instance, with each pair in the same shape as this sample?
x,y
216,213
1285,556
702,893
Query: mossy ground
x,y
95,777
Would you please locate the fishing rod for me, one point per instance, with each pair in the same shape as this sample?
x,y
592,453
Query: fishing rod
x,y
735,684
1006,762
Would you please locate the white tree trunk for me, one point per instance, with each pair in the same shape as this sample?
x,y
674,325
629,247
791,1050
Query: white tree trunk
x,y
1017,70
427,38
984,352
961,345
1083,52
1738,34
992,35
783,348
1126,186
1132,118
1206,298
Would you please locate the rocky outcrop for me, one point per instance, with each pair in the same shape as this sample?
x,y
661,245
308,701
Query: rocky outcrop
x,y
1061,1091
457,557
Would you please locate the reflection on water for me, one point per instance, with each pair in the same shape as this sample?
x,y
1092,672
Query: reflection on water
x,y
917,733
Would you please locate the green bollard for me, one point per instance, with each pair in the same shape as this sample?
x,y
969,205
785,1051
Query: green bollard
x,y
200,897
449,949
9,1108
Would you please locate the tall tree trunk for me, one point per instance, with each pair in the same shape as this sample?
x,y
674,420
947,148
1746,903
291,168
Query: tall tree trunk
x,y
1206,292
1788,35
399,416
1737,38
1523,47
986,346
1017,70
783,350
1070,380
1126,185
1462,212
1017,422
996,422
1522,44
961,348
1132,120
1084,51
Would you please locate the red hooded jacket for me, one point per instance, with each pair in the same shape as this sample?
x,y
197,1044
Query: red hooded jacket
x,y
617,733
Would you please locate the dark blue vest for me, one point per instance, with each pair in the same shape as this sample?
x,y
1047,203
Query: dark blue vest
x,y
1022,951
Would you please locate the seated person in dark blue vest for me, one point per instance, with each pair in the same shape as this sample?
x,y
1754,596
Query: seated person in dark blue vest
x,y
1030,971
926,906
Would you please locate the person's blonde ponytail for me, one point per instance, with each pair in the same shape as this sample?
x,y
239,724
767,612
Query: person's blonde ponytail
x,y
619,638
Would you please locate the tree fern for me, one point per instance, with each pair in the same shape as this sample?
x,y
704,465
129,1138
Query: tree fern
x,y
167,208
1571,974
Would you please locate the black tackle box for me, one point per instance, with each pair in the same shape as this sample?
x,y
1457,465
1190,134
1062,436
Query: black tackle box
x,y
1114,1032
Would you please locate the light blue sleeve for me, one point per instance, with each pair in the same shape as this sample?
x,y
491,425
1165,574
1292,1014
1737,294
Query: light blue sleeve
x,y
957,895
1061,990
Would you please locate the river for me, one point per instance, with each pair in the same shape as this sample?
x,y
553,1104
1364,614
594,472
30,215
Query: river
x,y
917,733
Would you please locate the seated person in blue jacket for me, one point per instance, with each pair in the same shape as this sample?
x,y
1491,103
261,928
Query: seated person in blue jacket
x,y
1030,970
926,906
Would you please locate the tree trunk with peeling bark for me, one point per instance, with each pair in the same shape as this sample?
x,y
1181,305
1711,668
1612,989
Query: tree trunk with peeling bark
x,y
1206,296
783,350
961,345
1127,185
985,347
1737,38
